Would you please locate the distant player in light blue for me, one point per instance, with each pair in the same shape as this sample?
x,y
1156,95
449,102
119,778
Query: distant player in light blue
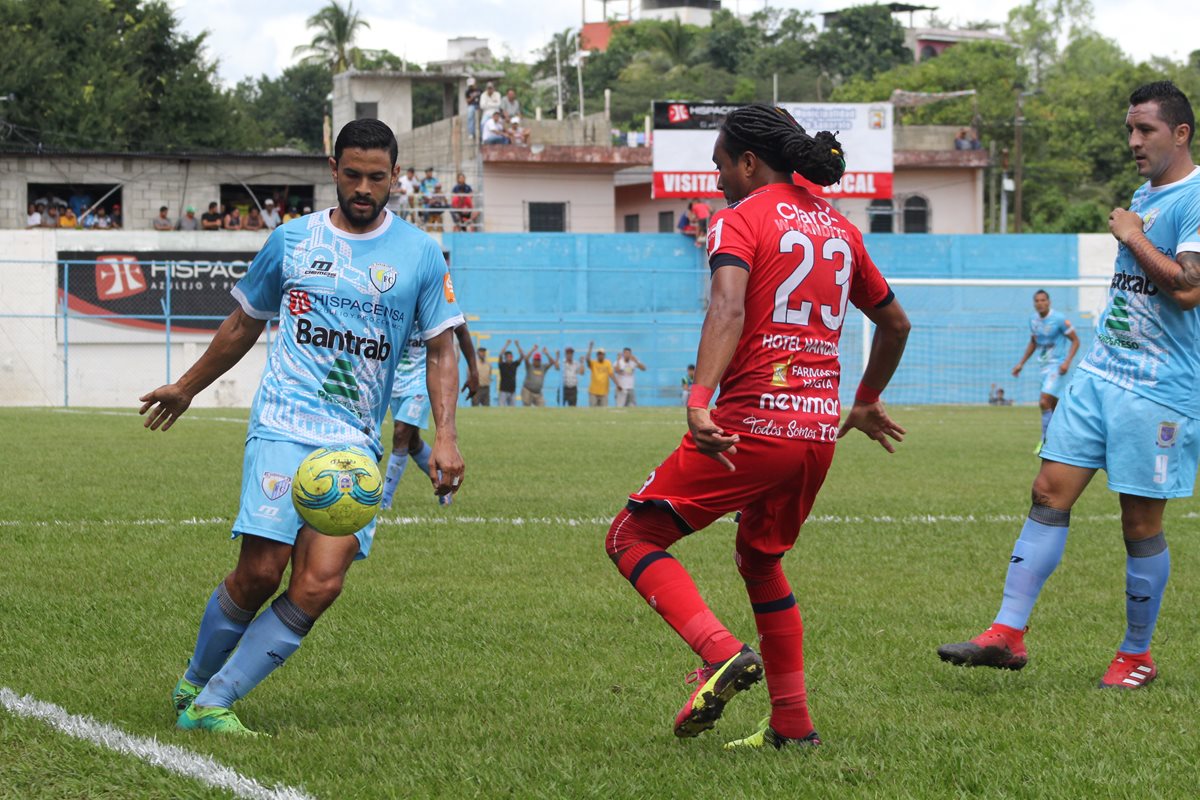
x,y
1133,409
349,285
1048,331
410,412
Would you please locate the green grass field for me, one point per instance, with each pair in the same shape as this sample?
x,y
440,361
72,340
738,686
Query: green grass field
x,y
490,649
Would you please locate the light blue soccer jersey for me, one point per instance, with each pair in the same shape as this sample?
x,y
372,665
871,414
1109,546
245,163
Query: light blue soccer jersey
x,y
410,371
1050,335
346,305
1145,343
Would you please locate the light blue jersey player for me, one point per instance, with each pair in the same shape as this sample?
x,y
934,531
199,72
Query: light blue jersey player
x,y
349,286
410,411
1133,408
1049,331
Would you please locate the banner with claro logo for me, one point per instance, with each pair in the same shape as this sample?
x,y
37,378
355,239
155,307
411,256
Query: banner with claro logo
x,y
685,132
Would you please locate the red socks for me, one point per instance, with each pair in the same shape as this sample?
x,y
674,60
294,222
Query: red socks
x,y
780,641
637,542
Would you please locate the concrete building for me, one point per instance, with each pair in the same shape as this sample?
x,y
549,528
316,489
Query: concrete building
x,y
140,183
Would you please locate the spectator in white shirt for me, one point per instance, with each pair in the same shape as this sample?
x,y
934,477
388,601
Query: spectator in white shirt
x,y
494,131
623,375
571,370
270,215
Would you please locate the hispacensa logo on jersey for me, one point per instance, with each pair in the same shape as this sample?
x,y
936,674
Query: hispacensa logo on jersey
x,y
299,302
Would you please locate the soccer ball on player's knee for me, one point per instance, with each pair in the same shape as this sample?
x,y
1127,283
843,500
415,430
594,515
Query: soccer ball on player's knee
x,y
337,490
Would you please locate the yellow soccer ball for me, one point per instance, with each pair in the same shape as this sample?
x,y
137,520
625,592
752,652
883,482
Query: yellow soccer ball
x,y
337,490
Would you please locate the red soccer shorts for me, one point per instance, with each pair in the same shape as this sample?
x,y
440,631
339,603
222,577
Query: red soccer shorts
x,y
774,486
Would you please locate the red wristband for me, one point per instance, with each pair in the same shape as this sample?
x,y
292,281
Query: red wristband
x,y
698,396
866,394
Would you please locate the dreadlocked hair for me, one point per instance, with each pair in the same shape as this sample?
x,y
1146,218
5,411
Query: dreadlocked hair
x,y
773,135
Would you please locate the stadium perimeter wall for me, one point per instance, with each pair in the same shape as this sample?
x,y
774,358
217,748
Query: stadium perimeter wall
x,y
644,291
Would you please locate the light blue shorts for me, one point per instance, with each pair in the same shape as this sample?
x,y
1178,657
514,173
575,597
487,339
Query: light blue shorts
x,y
266,505
1147,449
1052,381
412,410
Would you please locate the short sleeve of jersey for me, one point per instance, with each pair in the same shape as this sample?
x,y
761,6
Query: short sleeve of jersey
x,y
730,241
869,289
1064,324
1189,224
260,290
437,308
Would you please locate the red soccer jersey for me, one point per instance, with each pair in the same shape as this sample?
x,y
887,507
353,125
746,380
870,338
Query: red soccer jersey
x,y
805,262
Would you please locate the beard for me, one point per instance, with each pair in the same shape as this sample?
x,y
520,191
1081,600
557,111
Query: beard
x,y
359,218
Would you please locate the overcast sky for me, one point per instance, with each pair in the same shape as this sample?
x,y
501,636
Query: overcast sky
x,y
251,39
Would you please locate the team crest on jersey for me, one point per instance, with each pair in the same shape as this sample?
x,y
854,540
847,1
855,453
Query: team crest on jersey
x,y
274,485
1168,434
1148,219
383,277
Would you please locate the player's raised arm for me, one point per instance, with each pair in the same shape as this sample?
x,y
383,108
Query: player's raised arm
x,y
1179,277
887,346
718,341
446,468
233,340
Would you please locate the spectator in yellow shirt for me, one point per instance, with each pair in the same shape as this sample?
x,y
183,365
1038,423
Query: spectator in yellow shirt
x,y
602,372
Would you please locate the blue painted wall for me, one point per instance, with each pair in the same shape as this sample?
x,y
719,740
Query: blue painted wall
x,y
647,292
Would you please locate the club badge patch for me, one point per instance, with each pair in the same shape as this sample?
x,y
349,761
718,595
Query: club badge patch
x,y
383,277
274,485
1168,434
1148,220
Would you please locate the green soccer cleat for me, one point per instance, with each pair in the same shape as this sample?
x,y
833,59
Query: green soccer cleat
x,y
185,692
766,737
213,718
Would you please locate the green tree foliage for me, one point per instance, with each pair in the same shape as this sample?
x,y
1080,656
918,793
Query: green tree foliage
x,y
108,75
860,42
288,111
333,43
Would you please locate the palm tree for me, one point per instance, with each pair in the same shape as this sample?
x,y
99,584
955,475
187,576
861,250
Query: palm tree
x,y
334,42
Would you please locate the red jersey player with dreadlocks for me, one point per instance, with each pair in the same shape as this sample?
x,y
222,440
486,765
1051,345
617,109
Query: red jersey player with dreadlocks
x,y
784,264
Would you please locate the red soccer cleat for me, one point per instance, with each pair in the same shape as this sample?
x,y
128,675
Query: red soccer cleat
x,y
999,646
1129,671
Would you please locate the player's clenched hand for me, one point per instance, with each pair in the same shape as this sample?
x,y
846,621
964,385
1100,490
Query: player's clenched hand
x,y
446,468
873,420
165,404
1123,224
710,439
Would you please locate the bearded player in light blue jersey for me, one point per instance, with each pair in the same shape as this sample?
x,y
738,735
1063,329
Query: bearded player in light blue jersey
x,y
349,285
1133,408
410,412
1048,331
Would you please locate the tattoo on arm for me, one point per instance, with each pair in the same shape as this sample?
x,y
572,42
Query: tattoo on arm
x,y
1189,272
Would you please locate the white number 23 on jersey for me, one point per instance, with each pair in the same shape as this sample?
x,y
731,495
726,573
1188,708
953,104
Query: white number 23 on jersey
x,y
833,251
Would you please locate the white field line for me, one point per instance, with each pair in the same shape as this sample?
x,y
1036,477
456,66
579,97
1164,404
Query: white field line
x,y
572,522
133,414
166,756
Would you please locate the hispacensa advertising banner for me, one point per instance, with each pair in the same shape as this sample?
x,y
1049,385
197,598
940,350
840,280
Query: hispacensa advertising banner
x,y
684,134
134,290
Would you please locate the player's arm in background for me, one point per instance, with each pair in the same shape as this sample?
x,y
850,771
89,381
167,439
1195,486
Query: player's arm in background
x,y
446,466
233,340
1029,348
868,414
467,346
1073,337
718,340
1179,277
